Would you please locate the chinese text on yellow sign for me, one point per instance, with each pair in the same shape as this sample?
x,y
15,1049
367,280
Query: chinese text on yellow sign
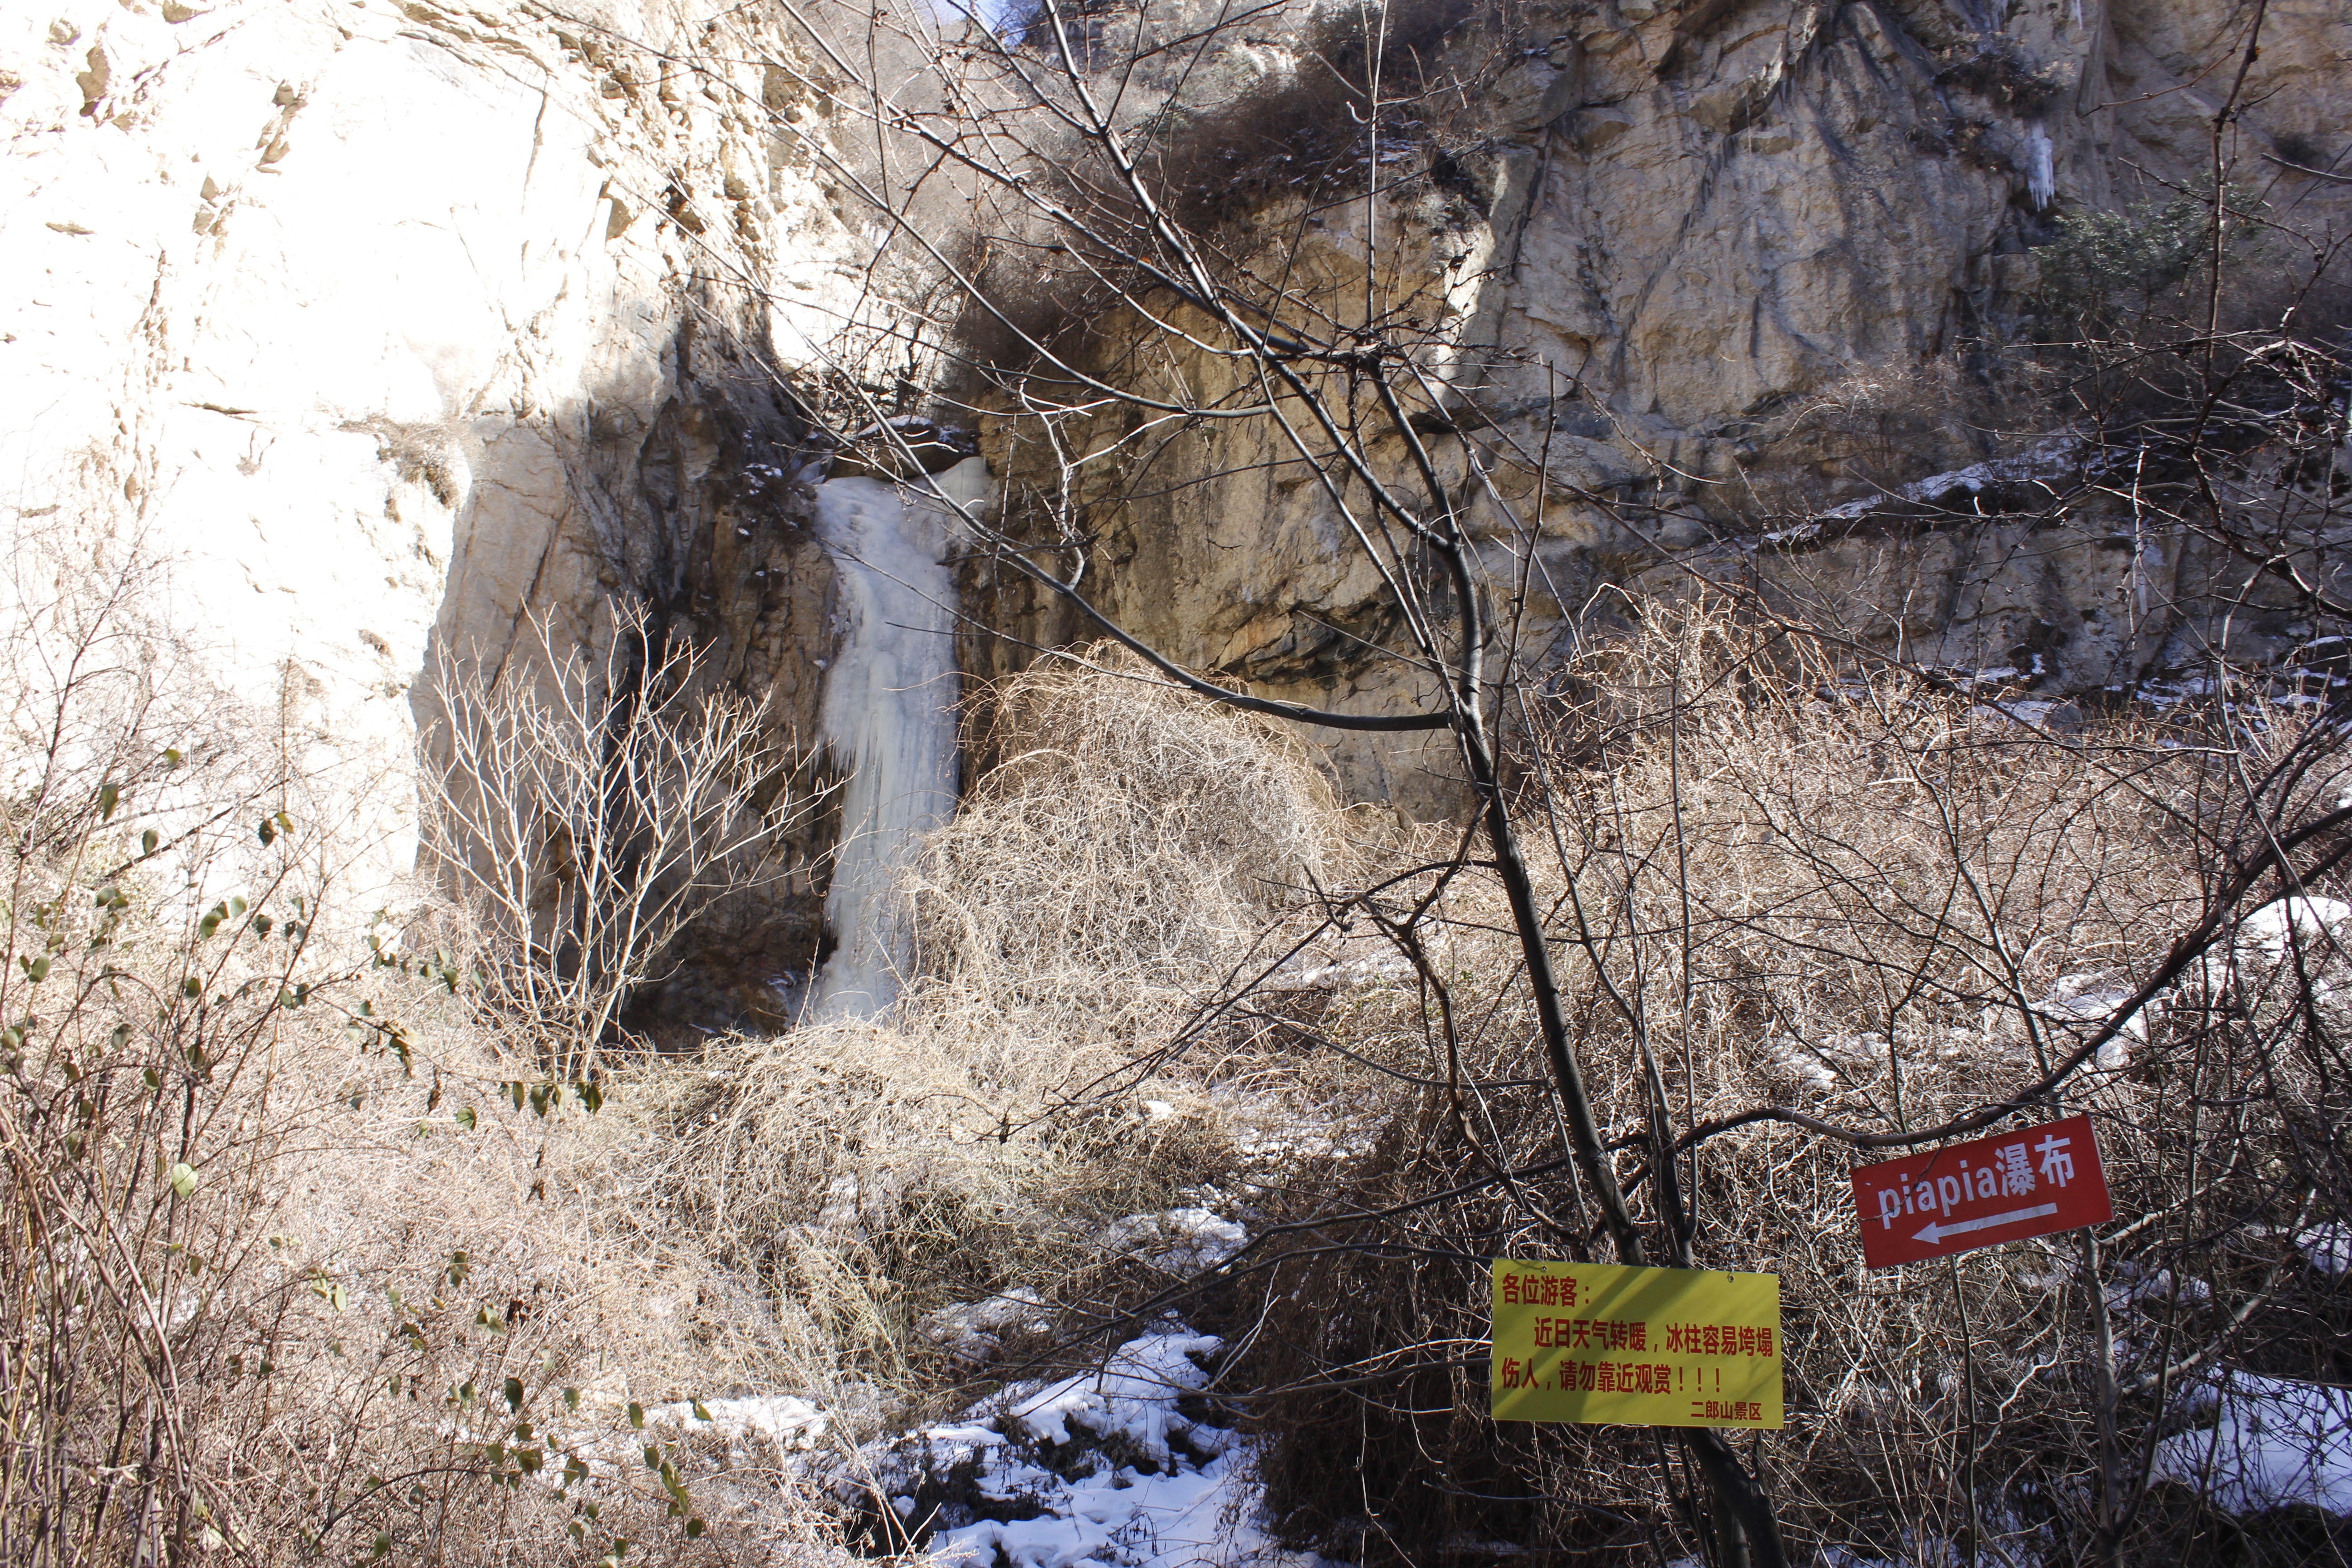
x,y
1647,1347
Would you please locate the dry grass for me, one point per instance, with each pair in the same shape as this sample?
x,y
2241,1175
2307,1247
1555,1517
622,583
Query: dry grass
x,y
294,1262
1129,848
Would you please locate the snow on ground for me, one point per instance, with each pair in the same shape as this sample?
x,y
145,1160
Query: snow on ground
x,y
1182,1242
2274,1443
2329,1245
761,1430
1100,1468
974,1331
2307,923
2088,1001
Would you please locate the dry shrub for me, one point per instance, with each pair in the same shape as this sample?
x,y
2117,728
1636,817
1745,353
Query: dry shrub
x,y
1133,850
1879,902
1123,856
293,1263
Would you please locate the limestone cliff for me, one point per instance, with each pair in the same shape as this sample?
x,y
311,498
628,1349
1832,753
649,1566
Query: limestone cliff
x,y
391,324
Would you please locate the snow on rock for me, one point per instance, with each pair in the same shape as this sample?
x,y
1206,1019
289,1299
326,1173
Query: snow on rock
x,y
973,1331
1099,1468
1182,1242
2045,460
2274,1443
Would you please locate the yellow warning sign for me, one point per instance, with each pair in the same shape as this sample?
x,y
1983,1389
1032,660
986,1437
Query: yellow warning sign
x,y
1646,1347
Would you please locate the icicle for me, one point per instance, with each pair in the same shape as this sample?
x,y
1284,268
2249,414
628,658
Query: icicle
x,y
889,715
2041,177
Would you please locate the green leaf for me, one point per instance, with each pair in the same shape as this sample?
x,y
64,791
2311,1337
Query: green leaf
x,y
458,1268
110,795
467,1119
590,1095
266,831
172,758
571,1399
192,987
147,841
637,1415
184,1179
699,1413
35,969
694,1527
514,1392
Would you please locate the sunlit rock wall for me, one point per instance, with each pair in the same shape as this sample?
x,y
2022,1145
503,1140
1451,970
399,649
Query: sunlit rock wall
x,y
391,326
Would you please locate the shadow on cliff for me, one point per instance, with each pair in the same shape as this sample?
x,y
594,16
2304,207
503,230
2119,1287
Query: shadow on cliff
x,y
691,502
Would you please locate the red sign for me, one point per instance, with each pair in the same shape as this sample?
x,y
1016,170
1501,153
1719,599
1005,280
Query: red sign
x,y
1981,1194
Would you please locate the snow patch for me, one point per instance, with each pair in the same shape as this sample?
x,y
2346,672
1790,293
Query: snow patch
x,y
2274,1443
1101,1469
788,1424
2303,921
974,1331
2328,1247
2043,461
2088,1001
1182,1242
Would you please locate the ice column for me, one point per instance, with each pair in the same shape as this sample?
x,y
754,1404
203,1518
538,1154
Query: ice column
x,y
889,715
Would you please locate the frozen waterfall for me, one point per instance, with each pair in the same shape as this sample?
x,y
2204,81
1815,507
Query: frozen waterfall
x,y
888,714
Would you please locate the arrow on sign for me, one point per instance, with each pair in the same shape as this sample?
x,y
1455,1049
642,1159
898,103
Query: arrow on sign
x,y
1935,1233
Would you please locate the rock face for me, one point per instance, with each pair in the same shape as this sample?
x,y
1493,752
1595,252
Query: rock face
x,y
394,323
389,325
1720,262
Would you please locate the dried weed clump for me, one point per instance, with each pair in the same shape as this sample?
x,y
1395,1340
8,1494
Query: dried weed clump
x,y
295,1264
1126,852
